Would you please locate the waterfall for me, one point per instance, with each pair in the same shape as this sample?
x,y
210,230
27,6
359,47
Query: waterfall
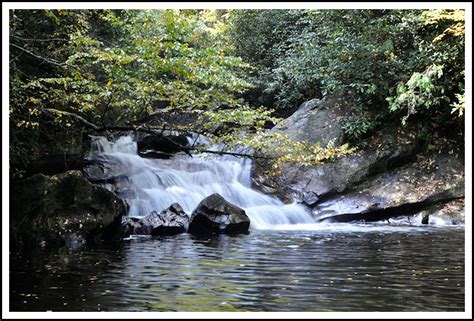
x,y
154,184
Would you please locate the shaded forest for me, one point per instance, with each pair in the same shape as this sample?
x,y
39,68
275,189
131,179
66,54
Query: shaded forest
x,y
230,75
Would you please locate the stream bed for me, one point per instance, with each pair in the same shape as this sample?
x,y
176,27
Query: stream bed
x,y
327,268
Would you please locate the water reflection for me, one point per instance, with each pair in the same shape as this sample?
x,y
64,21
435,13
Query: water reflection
x,y
393,270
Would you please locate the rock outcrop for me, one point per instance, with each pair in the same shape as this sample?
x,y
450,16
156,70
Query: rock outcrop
x,y
310,184
388,177
317,121
429,181
215,215
64,209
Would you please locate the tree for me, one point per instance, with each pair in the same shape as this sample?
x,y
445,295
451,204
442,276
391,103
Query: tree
x,y
109,70
394,63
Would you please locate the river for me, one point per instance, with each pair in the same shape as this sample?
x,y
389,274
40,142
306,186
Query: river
x,y
334,268
287,262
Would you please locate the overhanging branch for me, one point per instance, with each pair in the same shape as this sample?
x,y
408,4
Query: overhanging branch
x,y
48,60
73,115
146,130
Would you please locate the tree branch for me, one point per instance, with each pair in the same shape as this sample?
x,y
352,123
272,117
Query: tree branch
x,y
73,115
149,131
40,40
43,58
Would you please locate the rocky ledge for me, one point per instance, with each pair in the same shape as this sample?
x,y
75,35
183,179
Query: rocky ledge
x,y
393,176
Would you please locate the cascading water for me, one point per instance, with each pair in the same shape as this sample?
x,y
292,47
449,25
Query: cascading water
x,y
154,184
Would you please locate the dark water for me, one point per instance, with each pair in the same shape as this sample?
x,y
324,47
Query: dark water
x,y
332,269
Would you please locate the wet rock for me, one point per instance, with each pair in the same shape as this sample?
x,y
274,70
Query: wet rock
x,y
161,146
133,226
310,198
403,191
104,171
170,221
111,174
64,209
425,219
452,212
215,215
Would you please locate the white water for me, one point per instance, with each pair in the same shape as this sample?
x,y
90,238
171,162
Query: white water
x,y
157,183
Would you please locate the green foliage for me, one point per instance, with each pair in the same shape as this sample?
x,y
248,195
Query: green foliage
x,y
283,150
434,90
227,73
121,68
358,125
322,51
459,106
260,37
420,91
157,61
400,62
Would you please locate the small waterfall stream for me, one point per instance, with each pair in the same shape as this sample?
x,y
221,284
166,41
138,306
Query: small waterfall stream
x,y
154,184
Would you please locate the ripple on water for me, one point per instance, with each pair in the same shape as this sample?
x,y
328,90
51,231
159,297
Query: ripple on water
x,y
356,268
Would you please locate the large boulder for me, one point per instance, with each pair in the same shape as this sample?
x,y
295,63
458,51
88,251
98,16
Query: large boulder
x,y
161,145
170,221
105,170
63,209
387,178
334,177
428,182
320,122
215,215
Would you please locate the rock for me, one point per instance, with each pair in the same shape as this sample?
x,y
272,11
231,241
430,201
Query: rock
x,y
104,171
317,121
451,212
64,209
111,172
170,221
320,121
215,215
403,191
310,198
161,146
425,219
133,226
388,150
386,179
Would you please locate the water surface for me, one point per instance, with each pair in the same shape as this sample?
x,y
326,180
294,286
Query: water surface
x,y
334,268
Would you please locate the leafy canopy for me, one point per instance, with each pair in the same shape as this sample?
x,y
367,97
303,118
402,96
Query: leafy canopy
x,y
396,64
128,69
